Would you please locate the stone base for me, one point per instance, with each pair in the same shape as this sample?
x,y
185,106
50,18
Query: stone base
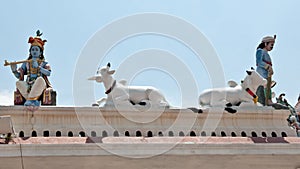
x,y
97,122
155,152
48,98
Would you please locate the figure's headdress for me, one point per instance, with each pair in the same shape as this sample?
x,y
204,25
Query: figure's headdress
x,y
267,39
37,41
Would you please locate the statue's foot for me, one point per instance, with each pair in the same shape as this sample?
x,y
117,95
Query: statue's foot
x,y
32,103
35,103
28,103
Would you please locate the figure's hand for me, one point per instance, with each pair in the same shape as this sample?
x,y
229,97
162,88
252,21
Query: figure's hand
x,y
45,71
13,67
270,70
35,63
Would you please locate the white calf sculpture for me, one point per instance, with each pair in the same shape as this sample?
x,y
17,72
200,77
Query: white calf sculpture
x,y
118,93
235,94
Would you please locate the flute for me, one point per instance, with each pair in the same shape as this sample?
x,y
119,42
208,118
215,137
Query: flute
x,y
6,63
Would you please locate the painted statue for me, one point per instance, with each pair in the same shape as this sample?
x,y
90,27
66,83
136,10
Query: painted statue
x,y
118,93
36,68
265,69
235,94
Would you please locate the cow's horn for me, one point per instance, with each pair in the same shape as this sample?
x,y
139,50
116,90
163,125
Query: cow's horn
x,y
248,72
108,64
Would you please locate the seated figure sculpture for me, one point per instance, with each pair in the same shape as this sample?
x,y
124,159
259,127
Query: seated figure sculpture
x,y
118,93
36,69
235,94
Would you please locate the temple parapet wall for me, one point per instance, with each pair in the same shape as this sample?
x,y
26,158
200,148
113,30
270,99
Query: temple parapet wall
x,y
101,122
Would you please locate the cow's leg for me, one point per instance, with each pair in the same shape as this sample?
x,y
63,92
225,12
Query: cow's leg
x,y
156,98
218,103
145,102
132,102
224,103
230,110
122,100
100,101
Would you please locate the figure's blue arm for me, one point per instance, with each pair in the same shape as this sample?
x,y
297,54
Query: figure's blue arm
x,y
16,72
45,69
13,68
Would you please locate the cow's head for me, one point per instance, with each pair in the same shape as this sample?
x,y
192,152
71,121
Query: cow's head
x,y
253,80
102,74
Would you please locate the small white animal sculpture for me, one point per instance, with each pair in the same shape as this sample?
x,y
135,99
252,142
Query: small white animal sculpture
x,y
293,123
235,94
118,93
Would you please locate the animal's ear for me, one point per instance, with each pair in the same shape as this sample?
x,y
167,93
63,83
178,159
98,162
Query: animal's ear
x,y
248,72
111,72
123,82
232,83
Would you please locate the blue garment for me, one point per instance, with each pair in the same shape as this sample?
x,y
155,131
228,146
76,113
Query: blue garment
x,y
33,76
262,59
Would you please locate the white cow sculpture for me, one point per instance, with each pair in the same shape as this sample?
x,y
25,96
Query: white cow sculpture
x,y
235,94
119,94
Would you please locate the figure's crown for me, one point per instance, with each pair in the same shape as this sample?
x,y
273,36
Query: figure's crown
x,y
267,39
37,41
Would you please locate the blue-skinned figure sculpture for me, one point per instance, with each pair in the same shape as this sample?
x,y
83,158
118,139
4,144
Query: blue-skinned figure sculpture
x,y
36,69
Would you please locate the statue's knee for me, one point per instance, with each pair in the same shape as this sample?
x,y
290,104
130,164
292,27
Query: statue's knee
x,y
19,84
40,80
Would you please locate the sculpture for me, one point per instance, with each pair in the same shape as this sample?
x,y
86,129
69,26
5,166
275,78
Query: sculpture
x,y
293,123
235,94
36,68
118,93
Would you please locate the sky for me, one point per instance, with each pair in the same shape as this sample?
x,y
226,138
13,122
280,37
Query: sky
x,y
233,28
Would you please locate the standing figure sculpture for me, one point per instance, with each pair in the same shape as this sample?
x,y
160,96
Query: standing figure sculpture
x,y
36,69
265,69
